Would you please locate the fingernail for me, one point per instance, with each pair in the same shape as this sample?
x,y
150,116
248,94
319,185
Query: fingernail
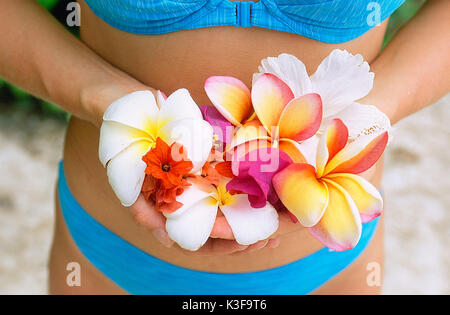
x,y
259,245
162,237
240,247
274,243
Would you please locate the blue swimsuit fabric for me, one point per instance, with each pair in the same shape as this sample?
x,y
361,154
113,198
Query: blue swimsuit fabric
x,y
330,21
137,272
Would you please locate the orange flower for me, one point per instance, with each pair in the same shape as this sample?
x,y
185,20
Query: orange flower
x,y
209,176
164,199
165,179
225,169
162,165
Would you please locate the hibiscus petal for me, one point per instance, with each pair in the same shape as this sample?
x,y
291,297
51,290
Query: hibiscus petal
x,y
192,228
251,130
367,198
231,97
289,69
331,142
363,119
341,79
194,135
340,226
250,225
301,192
137,109
301,117
114,137
126,172
179,105
359,155
270,96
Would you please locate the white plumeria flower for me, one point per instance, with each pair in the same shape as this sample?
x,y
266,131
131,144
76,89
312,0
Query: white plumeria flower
x,y
340,80
191,225
131,126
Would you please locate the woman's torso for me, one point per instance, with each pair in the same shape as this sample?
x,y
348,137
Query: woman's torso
x,y
185,59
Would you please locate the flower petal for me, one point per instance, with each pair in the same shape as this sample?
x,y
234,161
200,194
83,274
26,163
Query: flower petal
x,y
359,155
126,172
340,226
250,225
221,126
192,228
179,105
137,109
331,142
114,137
255,174
341,79
308,148
301,118
292,148
160,98
302,194
195,135
367,198
239,152
270,96
191,195
363,119
231,97
251,130
289,69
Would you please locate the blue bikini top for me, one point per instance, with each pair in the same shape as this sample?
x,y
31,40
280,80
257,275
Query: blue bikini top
x,y
331,21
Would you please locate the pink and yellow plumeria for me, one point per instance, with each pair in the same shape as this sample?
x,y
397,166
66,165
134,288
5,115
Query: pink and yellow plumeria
x,y
281,119
330,198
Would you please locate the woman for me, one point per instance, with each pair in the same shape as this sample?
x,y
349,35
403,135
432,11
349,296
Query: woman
x,y
120,52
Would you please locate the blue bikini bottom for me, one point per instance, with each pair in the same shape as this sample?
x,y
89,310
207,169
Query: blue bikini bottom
x,y
137,272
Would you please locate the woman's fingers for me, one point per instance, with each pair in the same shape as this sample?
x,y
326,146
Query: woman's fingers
x,y
253,248
145,214
274,242
221,241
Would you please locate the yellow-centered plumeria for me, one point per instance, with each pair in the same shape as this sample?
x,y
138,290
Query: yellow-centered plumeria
x,y
191,225
131,126
329,197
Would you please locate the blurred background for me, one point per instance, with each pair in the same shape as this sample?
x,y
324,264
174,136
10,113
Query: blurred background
x,y
415,185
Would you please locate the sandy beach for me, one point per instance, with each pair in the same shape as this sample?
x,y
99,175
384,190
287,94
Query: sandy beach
x,y
416,190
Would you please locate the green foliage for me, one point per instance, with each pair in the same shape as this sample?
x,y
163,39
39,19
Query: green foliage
x,y
400,17
48,4
22,100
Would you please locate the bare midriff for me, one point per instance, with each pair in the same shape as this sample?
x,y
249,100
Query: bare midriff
x,y
184,59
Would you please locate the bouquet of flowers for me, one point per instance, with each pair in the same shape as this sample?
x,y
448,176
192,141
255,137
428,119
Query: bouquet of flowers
x,y
292,142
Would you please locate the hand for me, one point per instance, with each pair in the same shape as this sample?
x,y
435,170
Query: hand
x,y
221,241
146,215
222,230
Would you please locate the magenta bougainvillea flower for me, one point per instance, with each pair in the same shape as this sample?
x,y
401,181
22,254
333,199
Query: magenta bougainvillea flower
x,y
255,172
